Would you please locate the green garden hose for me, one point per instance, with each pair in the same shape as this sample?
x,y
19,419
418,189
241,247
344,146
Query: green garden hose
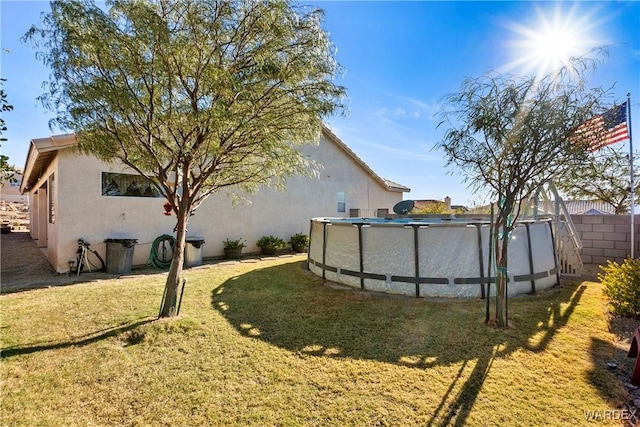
x,y
158,257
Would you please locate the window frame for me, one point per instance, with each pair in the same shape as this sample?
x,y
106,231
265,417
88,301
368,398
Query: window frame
x,y
137,185
341,206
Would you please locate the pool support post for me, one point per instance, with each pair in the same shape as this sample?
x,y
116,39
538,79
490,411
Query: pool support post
x,y
416,252
360,253
324,249
481,260
533,280
310,233
491,243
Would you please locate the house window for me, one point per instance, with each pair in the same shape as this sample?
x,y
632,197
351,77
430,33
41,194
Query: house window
x,y
342,202
382,212
120,184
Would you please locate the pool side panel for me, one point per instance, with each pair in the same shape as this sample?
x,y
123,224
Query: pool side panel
x,y
389,249
342,252
543,254
518,262
315,247
449,252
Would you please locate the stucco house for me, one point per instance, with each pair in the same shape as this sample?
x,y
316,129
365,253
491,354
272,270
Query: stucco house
x,y
73,195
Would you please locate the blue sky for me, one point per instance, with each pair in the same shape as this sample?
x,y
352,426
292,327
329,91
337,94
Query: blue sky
x,y
399,59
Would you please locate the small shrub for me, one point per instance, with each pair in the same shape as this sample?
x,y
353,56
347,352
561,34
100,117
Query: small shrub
x,y
622,286
299,242
233,248
269,244
233,244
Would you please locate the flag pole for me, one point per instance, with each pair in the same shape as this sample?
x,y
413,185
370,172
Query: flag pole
x,y
631,181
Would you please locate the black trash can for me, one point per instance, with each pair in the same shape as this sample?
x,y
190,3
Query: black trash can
x,y
120,255
193,251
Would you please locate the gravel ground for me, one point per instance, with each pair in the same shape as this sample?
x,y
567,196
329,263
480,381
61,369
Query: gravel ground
x,y
24,266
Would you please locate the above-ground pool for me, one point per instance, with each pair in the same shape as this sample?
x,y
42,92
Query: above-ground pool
x,y
429,257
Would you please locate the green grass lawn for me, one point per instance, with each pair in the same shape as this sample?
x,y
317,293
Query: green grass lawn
x,y
269,344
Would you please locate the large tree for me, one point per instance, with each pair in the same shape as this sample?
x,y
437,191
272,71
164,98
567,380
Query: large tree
x,y
6,170
510,134
194,95
603,176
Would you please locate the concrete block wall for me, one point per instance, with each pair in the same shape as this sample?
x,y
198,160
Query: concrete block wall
x,y
606,237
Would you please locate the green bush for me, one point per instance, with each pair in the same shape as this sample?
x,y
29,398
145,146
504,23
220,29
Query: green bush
x,y
299,242
233,248
233,244
622,286
269,244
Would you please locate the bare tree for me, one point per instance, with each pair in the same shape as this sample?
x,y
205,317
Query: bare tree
x,y
6,170
510,134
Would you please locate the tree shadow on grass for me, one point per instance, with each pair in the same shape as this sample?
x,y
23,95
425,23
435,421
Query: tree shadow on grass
x,y
602,353
80,341
288,307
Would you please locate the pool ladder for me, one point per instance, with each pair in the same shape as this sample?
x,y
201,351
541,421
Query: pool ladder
x,y
568,244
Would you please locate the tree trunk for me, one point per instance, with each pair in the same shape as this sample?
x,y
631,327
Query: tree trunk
x,y
170,302
502,277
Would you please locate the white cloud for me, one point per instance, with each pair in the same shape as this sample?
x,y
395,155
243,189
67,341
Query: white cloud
x,y
408,108
428,109
399,112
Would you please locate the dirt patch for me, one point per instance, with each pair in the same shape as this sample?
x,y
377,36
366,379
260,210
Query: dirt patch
x,y
22,258
590,272
24,266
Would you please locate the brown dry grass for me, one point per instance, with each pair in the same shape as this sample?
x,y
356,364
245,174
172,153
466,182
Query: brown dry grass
x,y
268,344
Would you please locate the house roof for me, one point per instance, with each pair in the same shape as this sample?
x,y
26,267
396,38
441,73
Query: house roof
x,y
389,185
589,207
584,207
462,208
43,150
429,202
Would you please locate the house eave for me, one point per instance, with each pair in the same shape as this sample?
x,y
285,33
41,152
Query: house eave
x,y
41,153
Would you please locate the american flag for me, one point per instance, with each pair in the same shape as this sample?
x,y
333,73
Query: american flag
x,y
605,129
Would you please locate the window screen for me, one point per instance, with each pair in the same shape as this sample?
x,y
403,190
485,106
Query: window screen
x,y
342,202
120,184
